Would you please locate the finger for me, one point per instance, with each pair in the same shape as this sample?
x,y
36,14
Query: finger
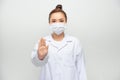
x,y
42,47
43,42
47,47
40,42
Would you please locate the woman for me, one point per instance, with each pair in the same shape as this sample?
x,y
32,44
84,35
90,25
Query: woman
x,y
60,56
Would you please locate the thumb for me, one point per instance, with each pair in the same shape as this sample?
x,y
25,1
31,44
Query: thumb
x,y
47,47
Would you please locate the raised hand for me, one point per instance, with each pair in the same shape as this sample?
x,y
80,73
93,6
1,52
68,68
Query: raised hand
x,y
42,49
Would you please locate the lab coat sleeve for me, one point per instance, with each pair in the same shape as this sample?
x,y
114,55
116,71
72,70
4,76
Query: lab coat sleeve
x,y
34,57
80,62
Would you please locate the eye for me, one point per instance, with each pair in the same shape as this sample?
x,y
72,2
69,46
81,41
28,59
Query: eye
x,y
61,20
53,21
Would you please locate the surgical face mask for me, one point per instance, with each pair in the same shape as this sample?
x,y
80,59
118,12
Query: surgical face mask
x,y
57,28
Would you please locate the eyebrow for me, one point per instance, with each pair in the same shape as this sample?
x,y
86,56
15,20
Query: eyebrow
x,y
53,19
59,19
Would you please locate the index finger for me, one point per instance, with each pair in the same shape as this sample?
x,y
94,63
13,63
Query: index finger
x,y
42,42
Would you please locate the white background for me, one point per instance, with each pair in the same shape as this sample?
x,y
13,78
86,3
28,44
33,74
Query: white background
x,y
96,23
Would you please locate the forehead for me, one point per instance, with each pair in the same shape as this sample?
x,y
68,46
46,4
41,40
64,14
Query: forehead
x,y
57,15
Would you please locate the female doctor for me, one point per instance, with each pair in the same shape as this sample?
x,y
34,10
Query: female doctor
x,y
60,56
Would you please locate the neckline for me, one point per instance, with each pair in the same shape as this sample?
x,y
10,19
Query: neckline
x,y
58,41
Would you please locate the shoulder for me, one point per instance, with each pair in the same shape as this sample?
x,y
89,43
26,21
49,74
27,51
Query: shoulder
x,y
76,41
72,38
68,38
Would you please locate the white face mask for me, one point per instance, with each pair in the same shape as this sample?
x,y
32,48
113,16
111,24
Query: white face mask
x,y
57,28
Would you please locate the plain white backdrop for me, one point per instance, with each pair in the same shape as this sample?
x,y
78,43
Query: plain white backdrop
x,y
96,23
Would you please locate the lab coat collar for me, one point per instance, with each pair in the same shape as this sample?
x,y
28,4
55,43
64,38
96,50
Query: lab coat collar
x,y
65,41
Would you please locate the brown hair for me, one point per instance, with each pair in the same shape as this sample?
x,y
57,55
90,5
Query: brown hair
x,y
58,9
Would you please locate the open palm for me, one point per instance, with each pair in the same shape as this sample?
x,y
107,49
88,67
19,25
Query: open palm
x,y
42,49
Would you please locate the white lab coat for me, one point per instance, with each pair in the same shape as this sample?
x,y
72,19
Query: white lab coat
x,y
64,61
